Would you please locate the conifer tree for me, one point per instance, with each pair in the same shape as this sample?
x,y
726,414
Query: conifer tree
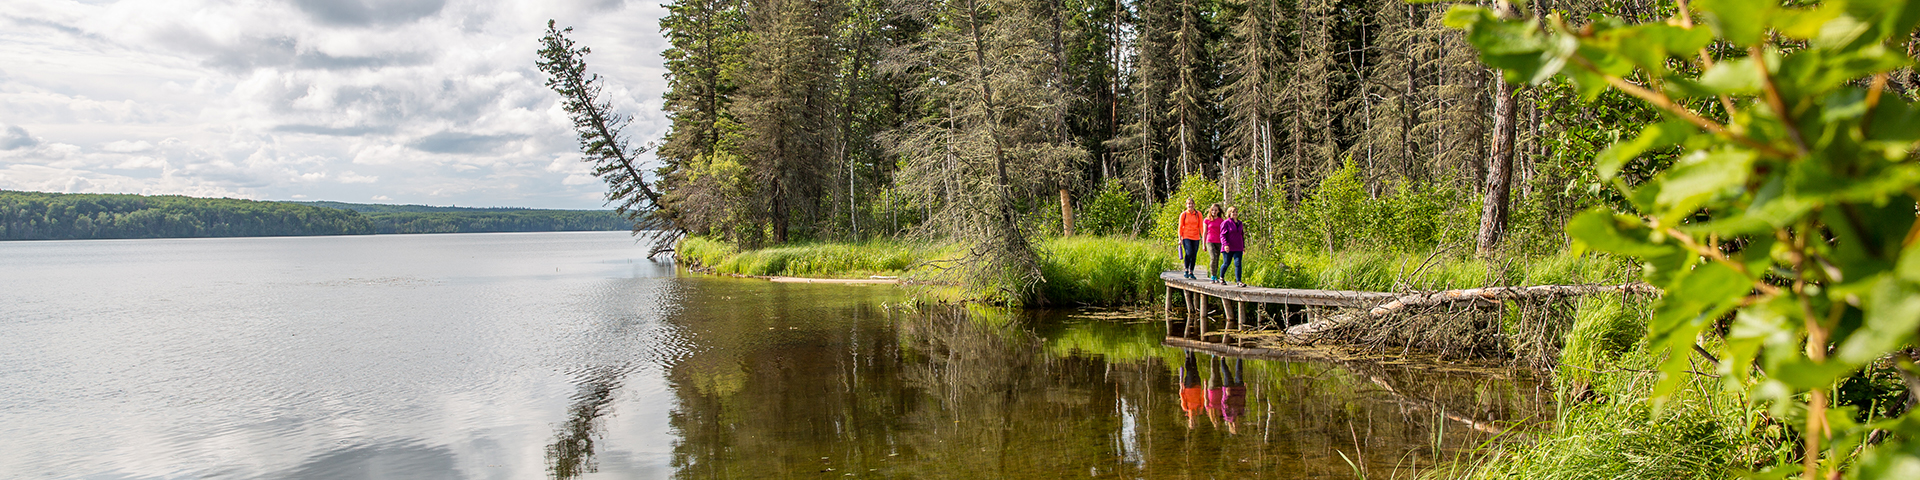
x,y
1256,85
786,110
994,141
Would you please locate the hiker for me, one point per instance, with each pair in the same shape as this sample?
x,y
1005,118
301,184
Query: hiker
x,y
1233,236
1189,236
1212,236
1191,395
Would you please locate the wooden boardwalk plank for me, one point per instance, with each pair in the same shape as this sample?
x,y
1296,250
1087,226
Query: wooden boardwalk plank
x,y
1290,296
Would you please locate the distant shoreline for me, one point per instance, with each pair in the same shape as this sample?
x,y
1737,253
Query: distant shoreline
x,y
84,216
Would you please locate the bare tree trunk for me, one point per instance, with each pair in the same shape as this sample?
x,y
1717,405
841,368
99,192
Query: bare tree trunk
x,y
1066,213
1493,214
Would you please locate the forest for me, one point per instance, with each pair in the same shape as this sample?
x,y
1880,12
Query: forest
x,y
1751,161
388,219
852,119
60,216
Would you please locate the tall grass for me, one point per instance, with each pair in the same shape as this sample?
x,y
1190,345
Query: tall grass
x,y
1102,270
805,260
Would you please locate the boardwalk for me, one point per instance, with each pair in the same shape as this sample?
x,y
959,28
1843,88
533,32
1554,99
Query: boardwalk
x,y
1245,307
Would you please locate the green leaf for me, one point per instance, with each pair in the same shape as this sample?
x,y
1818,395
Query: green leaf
x,y
1743,22
1909,267
1609,161
1804,24
1695,301
1735,76
1698,177
1600,229
1762,324
1892,313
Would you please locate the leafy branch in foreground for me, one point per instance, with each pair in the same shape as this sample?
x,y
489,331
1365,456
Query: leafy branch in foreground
x,y
1795,213
600,139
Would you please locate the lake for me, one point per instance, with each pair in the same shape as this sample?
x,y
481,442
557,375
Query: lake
x,y
570,355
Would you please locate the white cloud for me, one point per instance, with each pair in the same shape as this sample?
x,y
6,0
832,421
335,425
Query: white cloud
x,y
123,146
422,101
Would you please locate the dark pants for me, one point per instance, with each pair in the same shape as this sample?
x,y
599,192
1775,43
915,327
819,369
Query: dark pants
x,y
1189,248
1214,269
1231,258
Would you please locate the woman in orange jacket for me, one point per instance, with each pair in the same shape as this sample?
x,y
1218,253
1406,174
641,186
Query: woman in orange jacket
x,y
1190,231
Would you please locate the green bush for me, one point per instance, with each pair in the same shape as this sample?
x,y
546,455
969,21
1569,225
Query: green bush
x,y
1166,217
1111,212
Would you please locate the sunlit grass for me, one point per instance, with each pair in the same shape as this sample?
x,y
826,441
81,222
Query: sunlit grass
x,y
1103,270
827,260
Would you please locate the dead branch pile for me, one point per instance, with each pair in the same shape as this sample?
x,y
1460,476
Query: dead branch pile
x,y
1524,324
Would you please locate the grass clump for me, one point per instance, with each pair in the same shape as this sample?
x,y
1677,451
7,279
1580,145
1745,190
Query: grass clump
x,y
703,251
1685,440
826,260
1102,270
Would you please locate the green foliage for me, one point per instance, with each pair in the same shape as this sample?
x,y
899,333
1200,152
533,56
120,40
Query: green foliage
x,y
703,251
53,216
1166,217
1628,440
1103,270
1604,328
1793,213
1113,211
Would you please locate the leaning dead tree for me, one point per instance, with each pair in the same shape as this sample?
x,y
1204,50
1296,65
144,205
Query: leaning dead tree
x,y
601,141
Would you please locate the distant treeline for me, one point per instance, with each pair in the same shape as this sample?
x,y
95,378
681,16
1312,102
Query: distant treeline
x,y
380,208
497,221
58,216
54,216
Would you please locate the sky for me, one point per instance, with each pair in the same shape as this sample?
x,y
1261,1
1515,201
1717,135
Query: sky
x,y
433,102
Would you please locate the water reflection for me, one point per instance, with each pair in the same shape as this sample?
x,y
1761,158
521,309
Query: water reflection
x,y
572,451
941,392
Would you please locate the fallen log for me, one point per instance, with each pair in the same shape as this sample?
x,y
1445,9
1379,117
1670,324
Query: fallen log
x,y
1488,294
1494,294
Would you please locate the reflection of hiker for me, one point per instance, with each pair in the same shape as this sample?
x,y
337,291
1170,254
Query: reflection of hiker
x,y
1212,237
1235,403
1233,241
1190,394
1189,236
1217,391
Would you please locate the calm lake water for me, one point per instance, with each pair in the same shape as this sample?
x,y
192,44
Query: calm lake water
x,y
569,355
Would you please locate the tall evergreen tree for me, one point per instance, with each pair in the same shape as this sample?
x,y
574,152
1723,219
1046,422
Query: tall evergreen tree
x,y
992,139
786,110
1250,98
599,129
702,180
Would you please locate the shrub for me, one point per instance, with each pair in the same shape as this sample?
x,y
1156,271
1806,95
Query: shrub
x,y
1166,217
1113,211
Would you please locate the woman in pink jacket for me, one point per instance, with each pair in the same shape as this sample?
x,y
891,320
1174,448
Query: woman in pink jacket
x,y
1212,237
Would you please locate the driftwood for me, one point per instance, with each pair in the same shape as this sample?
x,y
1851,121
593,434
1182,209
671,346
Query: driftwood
x,y
1494,294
